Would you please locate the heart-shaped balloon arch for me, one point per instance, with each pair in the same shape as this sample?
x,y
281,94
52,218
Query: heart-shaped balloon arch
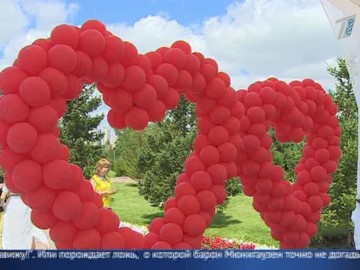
x,y
232,140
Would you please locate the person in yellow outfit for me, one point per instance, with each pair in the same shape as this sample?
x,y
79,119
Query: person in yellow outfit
x,y
101,182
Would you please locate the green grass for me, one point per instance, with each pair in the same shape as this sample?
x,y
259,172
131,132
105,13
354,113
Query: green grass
x,y
237,221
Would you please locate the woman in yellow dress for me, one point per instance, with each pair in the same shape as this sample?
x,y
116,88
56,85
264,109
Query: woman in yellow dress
x,y
101,182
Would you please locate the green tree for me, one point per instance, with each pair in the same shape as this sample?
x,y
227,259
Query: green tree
x,y
162,157
79,129
343,189
126,152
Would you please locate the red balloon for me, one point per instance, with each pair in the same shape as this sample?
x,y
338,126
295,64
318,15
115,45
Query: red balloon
x,y
135,78
133,240
45,44
63,58
189,204
156,224
59,105
115,75
256,114
194,225
182,178
251,143
121,100
146,97
218,135
201,180
130,55
155,59
67,205
160,85
215,88
21,137
183,189
219,115
171,99
114,49
94,24
74,88
184,81
13,109
182,45
220,193
217,173
84,65
87,239
43,219
57,174
169,72
176,57
108,221
227,152
63,232
65,34
208,71
205,125
193,164
11,78
193,64
150,239
116,119
92,42
194,242
170,203
171,233
157,111
86,192
27,175
174,215
42,198
32,59
207,200
205,105
99,69
112,240
209,155
43,119
56,81
137,118
46,148
4,127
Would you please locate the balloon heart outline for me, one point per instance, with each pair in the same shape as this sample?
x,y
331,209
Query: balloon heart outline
x,y
232,139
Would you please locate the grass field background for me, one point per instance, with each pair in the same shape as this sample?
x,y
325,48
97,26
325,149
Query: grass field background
x,y
238,221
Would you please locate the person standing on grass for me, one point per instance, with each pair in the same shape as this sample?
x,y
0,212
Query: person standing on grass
x,y
101,182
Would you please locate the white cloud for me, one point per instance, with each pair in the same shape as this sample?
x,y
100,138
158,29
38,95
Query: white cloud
x,y
23,22
255,39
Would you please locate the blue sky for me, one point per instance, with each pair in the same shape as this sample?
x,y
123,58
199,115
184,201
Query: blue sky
x,y
185,12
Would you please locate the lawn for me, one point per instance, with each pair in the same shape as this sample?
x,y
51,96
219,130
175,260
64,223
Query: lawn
x,y
237,221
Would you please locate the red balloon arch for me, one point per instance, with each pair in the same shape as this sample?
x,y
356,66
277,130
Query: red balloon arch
x,y
233,139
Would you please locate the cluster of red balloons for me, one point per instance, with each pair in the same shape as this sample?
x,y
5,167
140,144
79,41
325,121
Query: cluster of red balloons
x,y
232,139
301,109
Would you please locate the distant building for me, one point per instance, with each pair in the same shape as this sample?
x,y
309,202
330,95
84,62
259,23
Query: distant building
x,y
107,136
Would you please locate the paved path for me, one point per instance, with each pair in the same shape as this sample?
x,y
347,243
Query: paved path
x,y
123,179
